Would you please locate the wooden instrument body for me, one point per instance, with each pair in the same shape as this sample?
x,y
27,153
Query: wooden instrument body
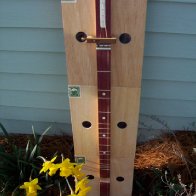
x,y
127,16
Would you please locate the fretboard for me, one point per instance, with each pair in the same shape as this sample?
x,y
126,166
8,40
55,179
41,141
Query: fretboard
x,y
103,30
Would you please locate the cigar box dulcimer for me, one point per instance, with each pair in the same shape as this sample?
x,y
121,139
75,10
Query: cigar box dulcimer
x,y
104,41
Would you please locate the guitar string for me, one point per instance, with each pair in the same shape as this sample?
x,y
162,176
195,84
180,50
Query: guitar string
x,y
109,107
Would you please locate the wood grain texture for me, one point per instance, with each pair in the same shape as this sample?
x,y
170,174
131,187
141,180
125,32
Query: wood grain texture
x,y
123,167
127,59
81,57
83,109
124,108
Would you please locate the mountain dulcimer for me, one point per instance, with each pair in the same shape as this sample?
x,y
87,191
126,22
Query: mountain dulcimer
x,y
104,41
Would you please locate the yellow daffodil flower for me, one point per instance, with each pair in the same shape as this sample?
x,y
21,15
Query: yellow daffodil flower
x,y
81,188
84,191
76,171
49,165
31,187
66,168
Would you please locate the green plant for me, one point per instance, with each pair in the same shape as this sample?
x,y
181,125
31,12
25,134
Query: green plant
x,y
19,164
60,174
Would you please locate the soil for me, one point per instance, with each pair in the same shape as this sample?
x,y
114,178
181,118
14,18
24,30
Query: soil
x,y
174,153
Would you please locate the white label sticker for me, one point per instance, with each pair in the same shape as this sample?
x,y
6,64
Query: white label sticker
x,y
68,1
102,14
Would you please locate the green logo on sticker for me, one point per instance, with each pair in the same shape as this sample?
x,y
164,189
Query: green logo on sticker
x,y
74,91
80,160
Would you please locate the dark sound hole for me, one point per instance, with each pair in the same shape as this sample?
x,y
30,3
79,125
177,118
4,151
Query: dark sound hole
x,y
122,125
90,177
120,178
125,38
81,36
86,124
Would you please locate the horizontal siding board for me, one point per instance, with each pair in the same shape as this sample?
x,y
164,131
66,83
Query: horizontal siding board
x,y
163,16
171,17
33,82
39,87
184,91
172,69
34,114
173,108
32,62
25,127
156,68
170,45
51,40
37,13
57,101
150,89
31,39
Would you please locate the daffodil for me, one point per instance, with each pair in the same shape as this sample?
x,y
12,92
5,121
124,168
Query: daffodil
x,y
66,168
49,165
81,189
84,191
31,187
76,171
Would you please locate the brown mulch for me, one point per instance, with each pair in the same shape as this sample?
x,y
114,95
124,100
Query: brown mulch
x,y
175,152
171,150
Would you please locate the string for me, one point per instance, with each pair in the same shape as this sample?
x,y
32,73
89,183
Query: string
x,y
104,33
109,107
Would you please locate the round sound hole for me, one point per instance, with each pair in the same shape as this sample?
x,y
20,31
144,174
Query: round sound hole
x,y
86,124
125,38
90,177
120,179
81,36
122,125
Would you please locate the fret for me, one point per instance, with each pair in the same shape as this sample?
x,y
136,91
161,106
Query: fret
x,y
104,131
105,180
105,166
107,133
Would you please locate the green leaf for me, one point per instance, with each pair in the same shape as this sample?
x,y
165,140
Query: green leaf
x,y
33,152
27,150
42,135
4,131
